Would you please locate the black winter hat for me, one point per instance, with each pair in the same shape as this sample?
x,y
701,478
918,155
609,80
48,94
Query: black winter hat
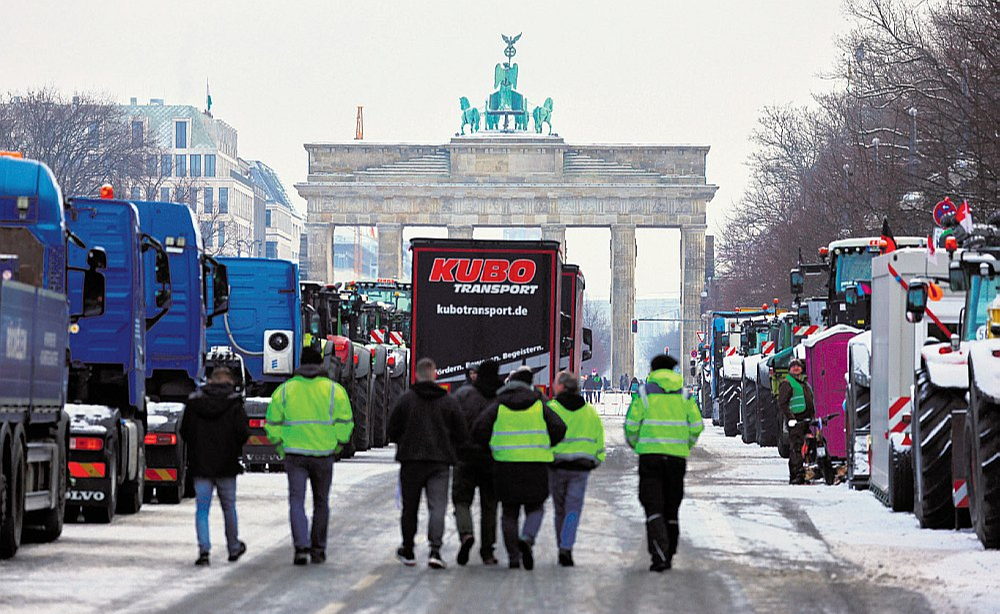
x,y
489,369
662,361
311,356
522,374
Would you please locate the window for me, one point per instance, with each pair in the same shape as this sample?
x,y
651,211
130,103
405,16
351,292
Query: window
x,y
180,134
180,161
271,249
137,133
135,193
221,235
195,165
165,194
179,195
206,232
210,165
166,165
151,166
267,218
223,200
193,199
209,198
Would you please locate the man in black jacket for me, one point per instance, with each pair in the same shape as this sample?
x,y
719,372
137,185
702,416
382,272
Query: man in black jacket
x,y
215,427
521,473
426,425
475,468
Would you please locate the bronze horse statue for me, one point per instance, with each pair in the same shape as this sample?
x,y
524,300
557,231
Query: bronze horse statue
x,y
543,114
470,116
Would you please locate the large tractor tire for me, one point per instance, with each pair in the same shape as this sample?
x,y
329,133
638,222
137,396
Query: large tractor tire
x,y
730,408
12,463
900,480
932,448
748,411
982,436
397,386
705,400
380,411
768,421
360,406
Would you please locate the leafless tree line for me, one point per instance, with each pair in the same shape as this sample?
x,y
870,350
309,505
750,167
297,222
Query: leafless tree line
x,y
914,117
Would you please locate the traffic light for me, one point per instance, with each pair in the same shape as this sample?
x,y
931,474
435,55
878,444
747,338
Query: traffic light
x,y
635,326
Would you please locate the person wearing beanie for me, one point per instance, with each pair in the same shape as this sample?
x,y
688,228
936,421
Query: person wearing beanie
x,y
475,468
662,425
520,432
795,400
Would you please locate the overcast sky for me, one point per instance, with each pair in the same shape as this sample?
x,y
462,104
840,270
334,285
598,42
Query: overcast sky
x,y
286,73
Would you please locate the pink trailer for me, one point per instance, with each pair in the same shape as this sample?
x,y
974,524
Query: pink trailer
x,y
826,366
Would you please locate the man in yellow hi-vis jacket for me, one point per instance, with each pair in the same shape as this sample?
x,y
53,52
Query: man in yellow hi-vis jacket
x,y
309,420
662,426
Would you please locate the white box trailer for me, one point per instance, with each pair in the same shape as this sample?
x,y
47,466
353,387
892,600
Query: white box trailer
x,y
895,358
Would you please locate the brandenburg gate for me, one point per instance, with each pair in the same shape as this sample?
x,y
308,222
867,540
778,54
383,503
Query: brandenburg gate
x,y
510,174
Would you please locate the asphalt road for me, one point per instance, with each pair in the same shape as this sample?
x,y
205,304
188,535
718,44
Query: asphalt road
x,y
746,547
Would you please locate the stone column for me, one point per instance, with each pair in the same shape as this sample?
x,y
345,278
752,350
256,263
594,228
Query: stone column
x,y
390,250
623,250
693,282
320,257
456,231
556,232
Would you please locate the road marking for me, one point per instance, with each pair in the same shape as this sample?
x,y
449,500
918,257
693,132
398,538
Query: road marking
x,y
333,608
365,582
720,531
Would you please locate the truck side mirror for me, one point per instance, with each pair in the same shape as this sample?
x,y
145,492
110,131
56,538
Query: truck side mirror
x,y
97,259
220,290
588,343
797,281
916,301
93,293
851,294
956,279
162,267
164,298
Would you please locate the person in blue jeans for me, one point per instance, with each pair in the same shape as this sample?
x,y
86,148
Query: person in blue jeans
x,y
215,427
580,452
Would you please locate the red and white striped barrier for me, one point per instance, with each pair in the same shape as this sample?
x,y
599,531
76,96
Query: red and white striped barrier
x,y
376,336
960,494
767,347
396,338
899,419
805,331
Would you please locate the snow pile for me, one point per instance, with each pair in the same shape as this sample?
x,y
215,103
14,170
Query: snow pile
x,y
860,348
986,366
833,331
947,370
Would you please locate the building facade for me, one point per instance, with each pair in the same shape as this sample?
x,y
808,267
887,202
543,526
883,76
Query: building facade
x,y
283,224
197,163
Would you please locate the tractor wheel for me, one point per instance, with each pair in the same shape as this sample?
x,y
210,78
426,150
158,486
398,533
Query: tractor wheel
x,y
748,410
360,406
982,430
706,400
900,480
12,516
769,426
730,408
380,411
932,447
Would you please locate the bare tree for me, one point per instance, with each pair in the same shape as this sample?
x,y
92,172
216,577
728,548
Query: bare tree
x,y
87,140
597,317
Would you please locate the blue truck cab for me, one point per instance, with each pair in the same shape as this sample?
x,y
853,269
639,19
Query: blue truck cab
x,y
35,316
263,327
175,347
107,384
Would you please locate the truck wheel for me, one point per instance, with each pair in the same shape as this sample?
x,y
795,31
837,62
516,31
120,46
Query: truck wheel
x,y
706,401
748,410
360,408
105,513
130,495
900,480
147,494
397,386
784,447
380,410
47,525
982,436
932,447
12,518
769,427
730,408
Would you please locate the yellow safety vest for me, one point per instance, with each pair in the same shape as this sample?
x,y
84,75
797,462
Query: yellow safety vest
x,y
521,436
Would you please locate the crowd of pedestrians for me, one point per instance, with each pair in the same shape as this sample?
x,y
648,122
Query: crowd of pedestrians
x,y
504,439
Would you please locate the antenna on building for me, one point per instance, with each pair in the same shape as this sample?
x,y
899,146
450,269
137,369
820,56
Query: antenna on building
x,y
359,132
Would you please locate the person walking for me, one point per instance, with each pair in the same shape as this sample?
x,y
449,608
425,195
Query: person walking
x,y
475,469
598,386
581,451
795,400
309,420
520,431
662,425
427,427
215,427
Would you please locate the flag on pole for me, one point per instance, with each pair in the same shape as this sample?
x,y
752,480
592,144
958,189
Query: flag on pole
x,y
964,216
208,98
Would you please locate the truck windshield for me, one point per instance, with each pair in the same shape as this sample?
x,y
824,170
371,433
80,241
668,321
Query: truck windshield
x,y
982,291
853,267
388,296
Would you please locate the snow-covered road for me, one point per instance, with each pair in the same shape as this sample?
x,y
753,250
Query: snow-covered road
x,y
750,543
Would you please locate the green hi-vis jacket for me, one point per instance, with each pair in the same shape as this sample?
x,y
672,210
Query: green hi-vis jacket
x,y
521,436
660,419
310,416
584,441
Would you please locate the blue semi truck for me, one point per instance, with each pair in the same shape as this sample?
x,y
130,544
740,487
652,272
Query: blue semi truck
x,y
175,348
107,383
35,317
263,327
